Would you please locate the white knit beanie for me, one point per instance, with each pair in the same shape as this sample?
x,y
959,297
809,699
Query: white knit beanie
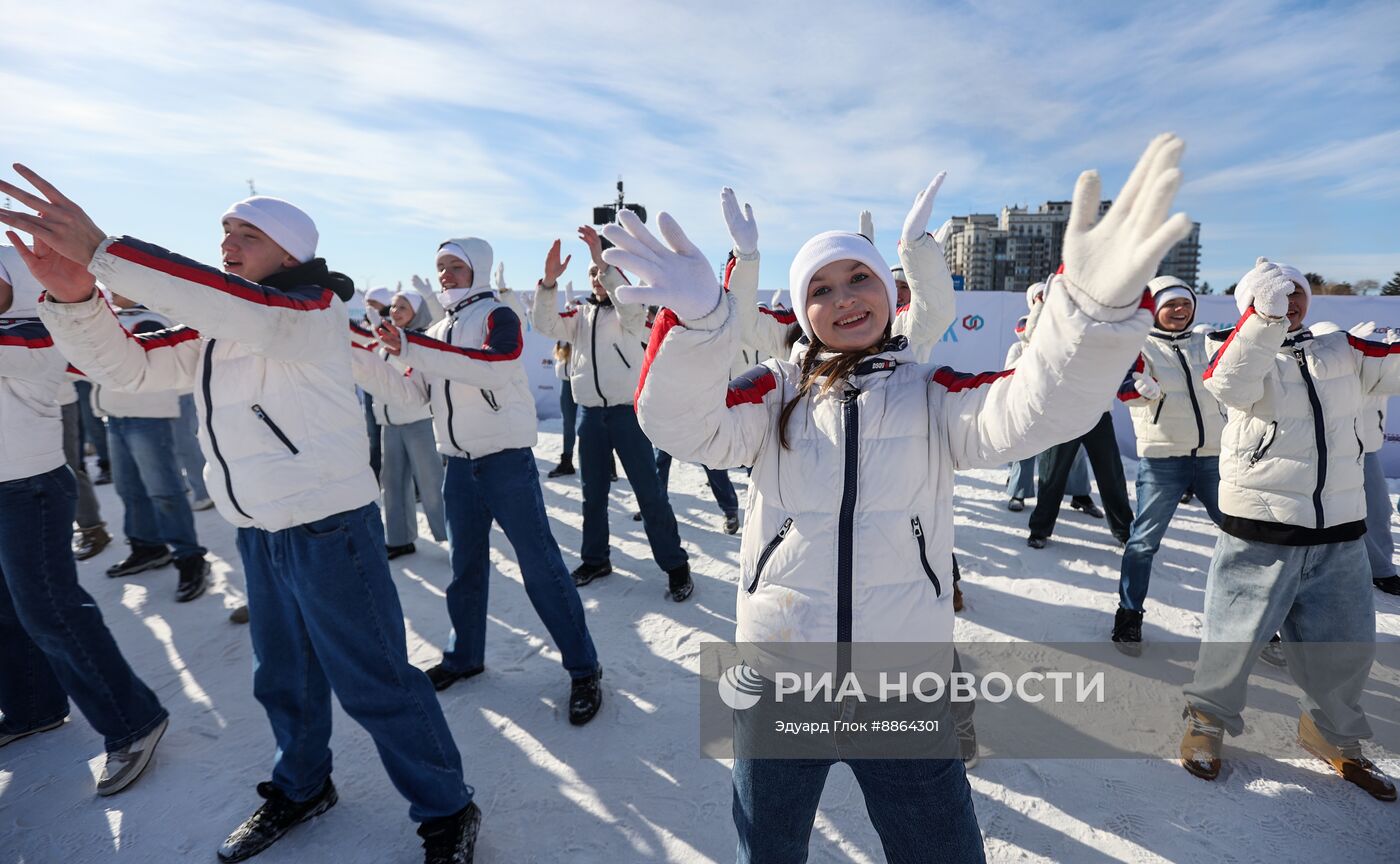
x,y
1035,294
415,300
823,249
287,225
1244,291
379,295
25,296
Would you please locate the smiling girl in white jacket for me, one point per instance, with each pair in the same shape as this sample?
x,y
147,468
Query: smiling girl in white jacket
x,y
853,448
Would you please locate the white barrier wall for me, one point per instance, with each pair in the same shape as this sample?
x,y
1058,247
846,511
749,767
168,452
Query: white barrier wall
x,y
984,329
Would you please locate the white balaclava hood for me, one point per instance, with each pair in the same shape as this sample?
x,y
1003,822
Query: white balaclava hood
x,y
477,253
26,288
823,249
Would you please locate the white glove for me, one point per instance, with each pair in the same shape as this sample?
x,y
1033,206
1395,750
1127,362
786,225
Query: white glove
x,y
1147,387
776,299
916,223
867,226
422,286
1111,262
568,294
1392,335
1363,330
675,274
741,225
500,278
1269,287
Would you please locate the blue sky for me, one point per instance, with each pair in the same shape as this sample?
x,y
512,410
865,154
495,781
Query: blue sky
x,y
399,124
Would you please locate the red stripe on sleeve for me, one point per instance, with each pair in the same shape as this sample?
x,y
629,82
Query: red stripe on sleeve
x,y
665,320
1210,370
231,285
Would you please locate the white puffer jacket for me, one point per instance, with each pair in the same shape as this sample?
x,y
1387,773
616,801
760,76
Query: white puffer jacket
x,y
932,305
1371,424
849,534
467,366
31,374
282,433
154,404
1291,452
1186,420
609,342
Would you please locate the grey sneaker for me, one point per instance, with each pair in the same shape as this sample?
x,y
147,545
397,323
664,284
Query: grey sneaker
x,y
126,764
8,737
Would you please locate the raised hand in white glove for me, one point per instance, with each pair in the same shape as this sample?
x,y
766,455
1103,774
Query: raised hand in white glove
x,y
916,223
421,285
1108,264
742,228
500,278
1147,387
867,225
920,254
674,274
568,293
1363,330
1269,287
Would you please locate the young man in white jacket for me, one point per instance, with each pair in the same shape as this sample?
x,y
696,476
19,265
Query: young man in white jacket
x,y
1177,422
1290,557
1370,427
284,437
467,368
53,641
606,358
852,440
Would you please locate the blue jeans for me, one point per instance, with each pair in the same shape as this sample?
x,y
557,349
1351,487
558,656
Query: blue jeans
x,y
94,431
148,480
411,458
505,486
324,616
921,808
187,447
615,429
1380,548
53,641
1306,593
1020,482
569,409
720,484
1161,481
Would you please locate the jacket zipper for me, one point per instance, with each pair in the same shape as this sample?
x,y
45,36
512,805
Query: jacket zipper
x,y
1195,405
923,556
593,345
1360,448
1265,442
447,391
621,356
490,399
1319,432
768,552
281,436
845,553
209,427
1161,403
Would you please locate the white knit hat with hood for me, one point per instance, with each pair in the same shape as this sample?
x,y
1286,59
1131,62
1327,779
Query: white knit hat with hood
x,y
1167,288
825,248
26,289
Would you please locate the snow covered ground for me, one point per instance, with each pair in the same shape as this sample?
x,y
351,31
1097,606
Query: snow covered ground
x,y
631,786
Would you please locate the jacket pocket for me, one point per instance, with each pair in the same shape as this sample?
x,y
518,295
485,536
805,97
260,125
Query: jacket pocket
x,y
621,356
281,436
767,553
1161,403
1265,442
923,556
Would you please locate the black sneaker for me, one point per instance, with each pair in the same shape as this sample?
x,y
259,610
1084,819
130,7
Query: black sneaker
x,y
104,477
681,586
1272,653
1016,505
1037,542
1086,505
452,839
1390,585
731,524
1121,538
142,558
637,517
399,551
565,467
1127,632
442,677
585,698
274,818
1187,496
585,572
194,577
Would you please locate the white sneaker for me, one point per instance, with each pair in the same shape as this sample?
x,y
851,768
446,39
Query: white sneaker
x,y
202,503
126,764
